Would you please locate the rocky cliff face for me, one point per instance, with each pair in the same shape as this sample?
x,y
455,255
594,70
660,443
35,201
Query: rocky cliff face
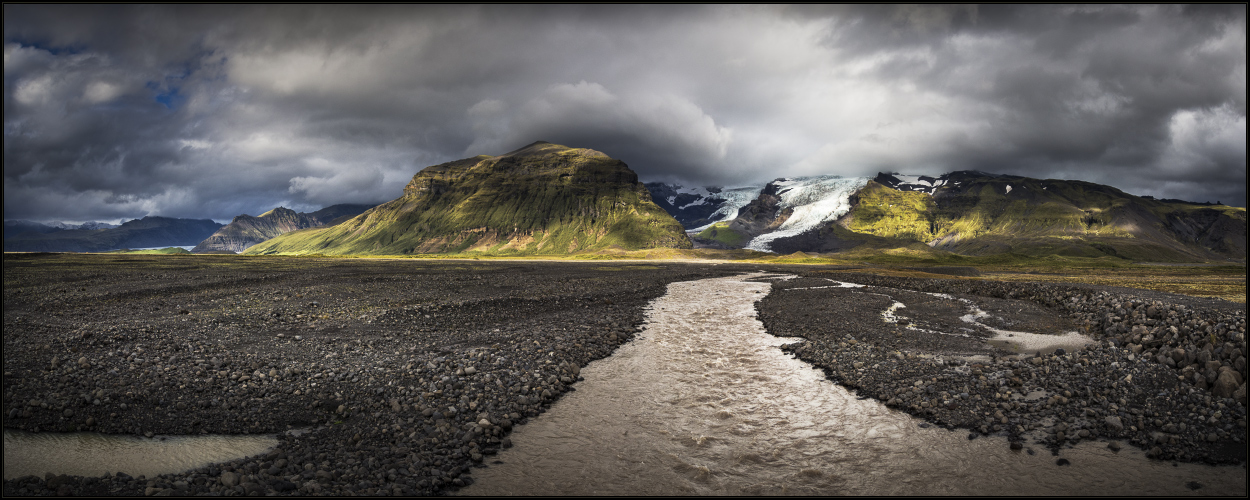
x,y
245,230
540,199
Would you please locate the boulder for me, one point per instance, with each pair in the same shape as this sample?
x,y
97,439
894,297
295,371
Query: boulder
x,y
1226,383
1114,424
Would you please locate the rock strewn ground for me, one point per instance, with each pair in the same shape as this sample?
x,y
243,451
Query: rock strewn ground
x,y
1167,372
410,371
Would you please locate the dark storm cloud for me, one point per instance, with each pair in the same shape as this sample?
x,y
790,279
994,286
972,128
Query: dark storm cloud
x,y
210,111
1110,94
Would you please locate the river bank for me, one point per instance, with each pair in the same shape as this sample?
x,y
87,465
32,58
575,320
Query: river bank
x,y
411,372
407,371
1164,372
702,402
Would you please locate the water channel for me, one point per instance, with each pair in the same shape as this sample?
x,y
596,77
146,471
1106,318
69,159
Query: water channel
x,y
93,454
703,402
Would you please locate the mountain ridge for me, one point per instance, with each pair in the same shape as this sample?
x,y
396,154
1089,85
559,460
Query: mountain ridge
x,y
542,198
245,230
978,213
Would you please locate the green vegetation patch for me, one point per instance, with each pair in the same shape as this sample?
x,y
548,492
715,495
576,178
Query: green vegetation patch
x,y
721,233
890,213
155,251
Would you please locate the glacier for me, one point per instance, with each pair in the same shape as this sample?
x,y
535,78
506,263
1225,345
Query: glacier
x,y
815,200
734,200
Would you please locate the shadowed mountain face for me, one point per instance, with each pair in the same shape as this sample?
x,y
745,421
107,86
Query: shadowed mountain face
x,y
696,208
139,233
540,199
245,230
975,213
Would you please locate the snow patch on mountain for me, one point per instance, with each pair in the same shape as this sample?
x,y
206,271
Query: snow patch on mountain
x,y
814,200
923,183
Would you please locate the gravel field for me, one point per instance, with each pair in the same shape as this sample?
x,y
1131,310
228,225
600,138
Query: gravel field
x,y
1166,372
410,371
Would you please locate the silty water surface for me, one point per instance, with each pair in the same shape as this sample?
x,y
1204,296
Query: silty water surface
x,y
93,454
703,402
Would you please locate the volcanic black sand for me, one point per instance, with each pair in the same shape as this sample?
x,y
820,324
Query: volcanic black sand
x,y
410,371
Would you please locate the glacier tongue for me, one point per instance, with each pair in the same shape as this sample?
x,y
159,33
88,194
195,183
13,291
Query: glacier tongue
x,y
735,199
815,200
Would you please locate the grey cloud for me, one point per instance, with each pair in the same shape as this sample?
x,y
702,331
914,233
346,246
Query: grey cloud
x,y
657,134
1090,86
312,105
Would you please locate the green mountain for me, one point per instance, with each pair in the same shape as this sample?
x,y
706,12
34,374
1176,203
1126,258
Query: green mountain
x,y
245,230
147,232
975,213
541,199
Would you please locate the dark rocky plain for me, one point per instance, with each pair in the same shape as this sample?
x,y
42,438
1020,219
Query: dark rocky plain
x,y
1165,373
410,372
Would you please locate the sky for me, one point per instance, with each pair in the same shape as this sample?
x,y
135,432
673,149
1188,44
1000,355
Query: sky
x,y
115,112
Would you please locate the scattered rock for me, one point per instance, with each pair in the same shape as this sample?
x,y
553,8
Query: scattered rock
x,y
229,479
1114,423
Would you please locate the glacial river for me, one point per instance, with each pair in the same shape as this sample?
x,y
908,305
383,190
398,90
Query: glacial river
x,y
703,402
93,454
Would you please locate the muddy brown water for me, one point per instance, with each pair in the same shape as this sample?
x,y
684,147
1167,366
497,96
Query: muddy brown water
x,y
703,402
93,454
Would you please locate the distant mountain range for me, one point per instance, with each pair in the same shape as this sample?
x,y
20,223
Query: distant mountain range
x,y
138,233
548,199
17,227
543,199
965,212
246,230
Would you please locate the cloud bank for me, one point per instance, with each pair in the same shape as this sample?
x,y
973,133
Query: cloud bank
x,y
120,111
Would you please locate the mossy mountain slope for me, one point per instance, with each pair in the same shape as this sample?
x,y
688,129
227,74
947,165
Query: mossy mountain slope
x,y
246,230
981,214
541,199
977,213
